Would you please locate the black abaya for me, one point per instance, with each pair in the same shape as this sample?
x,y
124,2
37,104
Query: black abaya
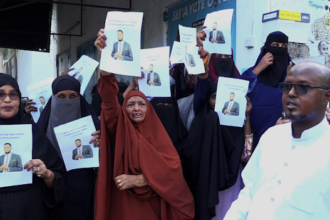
x,y
32,201
212,154
78,203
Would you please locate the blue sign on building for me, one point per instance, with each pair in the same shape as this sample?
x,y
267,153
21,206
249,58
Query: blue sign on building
x,y
191,13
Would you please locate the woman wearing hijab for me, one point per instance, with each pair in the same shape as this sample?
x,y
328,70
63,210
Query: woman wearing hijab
x,y
222,65
213,152
31,201
264,77
67,105
140,175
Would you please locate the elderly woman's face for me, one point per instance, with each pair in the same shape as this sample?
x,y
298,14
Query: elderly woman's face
x,y
67,94
136,108
9,102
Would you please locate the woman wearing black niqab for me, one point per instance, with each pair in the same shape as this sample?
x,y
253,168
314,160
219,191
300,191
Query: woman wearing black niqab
x,y
31,201
64,106
213,154
168,112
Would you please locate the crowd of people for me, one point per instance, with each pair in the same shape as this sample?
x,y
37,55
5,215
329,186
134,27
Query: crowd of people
x,y
169,158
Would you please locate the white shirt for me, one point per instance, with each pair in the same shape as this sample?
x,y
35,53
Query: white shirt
x,y
287,178
120,46
152,76
5,158
81,147
230,105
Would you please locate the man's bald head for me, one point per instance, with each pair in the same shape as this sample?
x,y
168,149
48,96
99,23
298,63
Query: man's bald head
x,y
313,69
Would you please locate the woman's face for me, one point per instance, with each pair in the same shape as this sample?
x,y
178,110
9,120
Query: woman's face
x,y
67,94
277,44
222,56
136,108
9,102
212,100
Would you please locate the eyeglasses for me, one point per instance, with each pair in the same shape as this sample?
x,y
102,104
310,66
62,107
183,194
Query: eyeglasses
x,y
13,96
299,88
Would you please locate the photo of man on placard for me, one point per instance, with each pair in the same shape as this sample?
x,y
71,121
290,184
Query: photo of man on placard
x,y
82,152
216,36
189,59
78,75
231,107
10,162
43,104
153,78
121,49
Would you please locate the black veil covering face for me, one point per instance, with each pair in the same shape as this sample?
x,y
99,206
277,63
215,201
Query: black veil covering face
x,y
212,154
168,112
32,201
79,201
275,73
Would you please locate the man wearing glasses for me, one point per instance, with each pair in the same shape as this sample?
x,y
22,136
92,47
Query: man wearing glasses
x,y
288,176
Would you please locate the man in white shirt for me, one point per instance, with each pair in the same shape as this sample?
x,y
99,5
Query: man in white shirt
x,y
10,162
231,107
81,151
288,175
121,49
153,78
215,35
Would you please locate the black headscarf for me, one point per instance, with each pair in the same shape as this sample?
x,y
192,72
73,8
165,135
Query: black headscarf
x,y
67,83
212,154
41,149
275,73
170,118
5,79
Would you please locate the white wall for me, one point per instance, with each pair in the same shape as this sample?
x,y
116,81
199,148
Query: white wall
x,y
249,24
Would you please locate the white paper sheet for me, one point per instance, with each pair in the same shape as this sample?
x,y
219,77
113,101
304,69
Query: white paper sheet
x,y
176,54
20,139
193,63
218,31
122,53
188,35
40,93
83,71
231,102
156,82
73,134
